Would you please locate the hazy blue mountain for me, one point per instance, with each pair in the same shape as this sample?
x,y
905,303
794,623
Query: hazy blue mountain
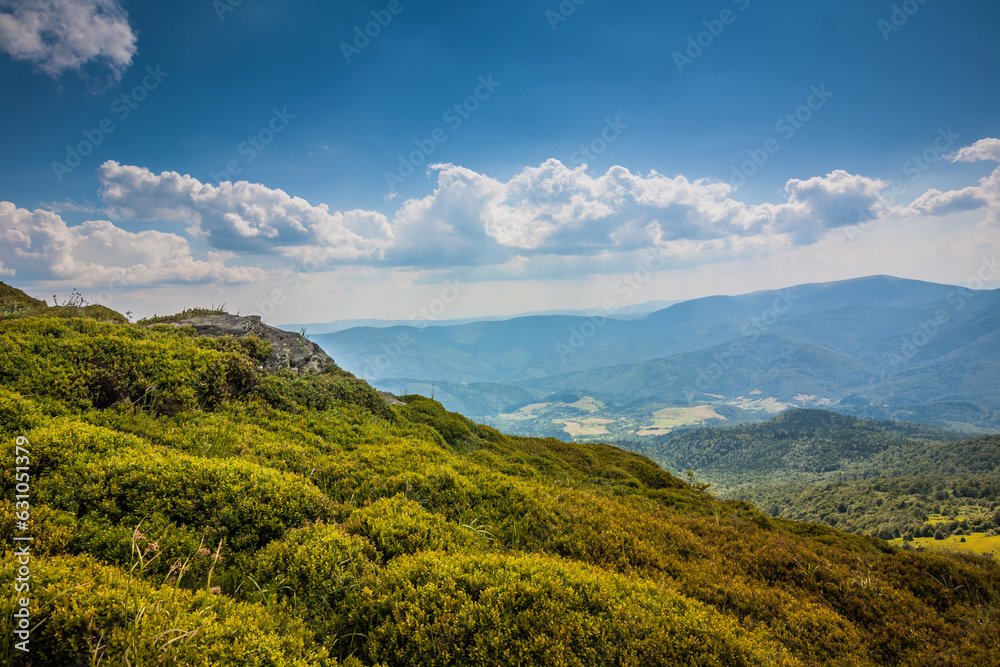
x,y
636,311
880,347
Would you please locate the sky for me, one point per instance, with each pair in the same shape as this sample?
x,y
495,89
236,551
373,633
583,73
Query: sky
x,y
315,161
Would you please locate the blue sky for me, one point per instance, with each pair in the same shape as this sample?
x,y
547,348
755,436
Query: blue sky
x,y
273,157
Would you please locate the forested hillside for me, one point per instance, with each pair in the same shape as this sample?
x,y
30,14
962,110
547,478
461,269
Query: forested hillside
x,y
189,507
888,479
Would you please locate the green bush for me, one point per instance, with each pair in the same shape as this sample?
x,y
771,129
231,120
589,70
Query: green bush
x,y
237,501
436,609
398,526
85,613
379,536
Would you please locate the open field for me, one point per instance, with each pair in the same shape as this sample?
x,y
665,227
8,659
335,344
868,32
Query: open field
x,y
668,419
586,427
979,543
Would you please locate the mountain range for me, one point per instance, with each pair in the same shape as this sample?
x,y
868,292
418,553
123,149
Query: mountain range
x,y
879,347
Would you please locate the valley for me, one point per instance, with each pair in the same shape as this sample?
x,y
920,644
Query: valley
x,y
876,347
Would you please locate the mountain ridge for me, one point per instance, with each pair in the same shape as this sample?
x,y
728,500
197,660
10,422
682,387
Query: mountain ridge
x,y
876,337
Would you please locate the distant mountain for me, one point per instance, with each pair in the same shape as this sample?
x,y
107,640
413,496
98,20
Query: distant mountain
x,y
878,347
624,313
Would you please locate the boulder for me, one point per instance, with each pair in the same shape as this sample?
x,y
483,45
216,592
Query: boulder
x,y
289,351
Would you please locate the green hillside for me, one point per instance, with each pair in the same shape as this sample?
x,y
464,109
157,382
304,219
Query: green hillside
x,y
188,508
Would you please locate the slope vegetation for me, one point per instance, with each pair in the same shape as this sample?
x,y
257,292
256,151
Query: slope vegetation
x,y
189,508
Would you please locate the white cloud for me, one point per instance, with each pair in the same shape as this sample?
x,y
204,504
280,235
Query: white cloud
x,y
822,203
244,217
61,35
985,195
935,202
551,219
39,245
986,150
554,210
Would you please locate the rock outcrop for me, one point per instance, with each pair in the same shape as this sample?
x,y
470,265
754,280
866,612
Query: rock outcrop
x,y
289,351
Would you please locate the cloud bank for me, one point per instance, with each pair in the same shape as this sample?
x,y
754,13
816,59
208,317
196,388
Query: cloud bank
x,y
471,219
546,221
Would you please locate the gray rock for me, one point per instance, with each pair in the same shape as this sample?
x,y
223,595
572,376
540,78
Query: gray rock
x,y
289,351
391,398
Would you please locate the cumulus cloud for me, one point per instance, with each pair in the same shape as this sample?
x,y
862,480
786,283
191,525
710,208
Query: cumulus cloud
x,y
64,35
935,202
471,219
986,150
39,245
550,217
985,195
244,217
555,210
819,204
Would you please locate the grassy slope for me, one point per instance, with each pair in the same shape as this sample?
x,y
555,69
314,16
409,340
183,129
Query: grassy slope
x,y
186,508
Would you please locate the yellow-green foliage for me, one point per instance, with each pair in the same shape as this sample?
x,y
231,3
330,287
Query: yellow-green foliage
x,y
397,526
90,364
163,465
439,609
87,613
239,501
15,303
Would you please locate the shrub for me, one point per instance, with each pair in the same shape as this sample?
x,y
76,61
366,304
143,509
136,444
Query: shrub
x,y
86,613
238,501
439,610
398,526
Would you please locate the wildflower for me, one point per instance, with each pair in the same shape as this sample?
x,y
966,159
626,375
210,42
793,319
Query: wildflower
x,y
153,546
216,590
203,551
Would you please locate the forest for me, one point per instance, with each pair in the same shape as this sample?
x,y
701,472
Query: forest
x,y
883,478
